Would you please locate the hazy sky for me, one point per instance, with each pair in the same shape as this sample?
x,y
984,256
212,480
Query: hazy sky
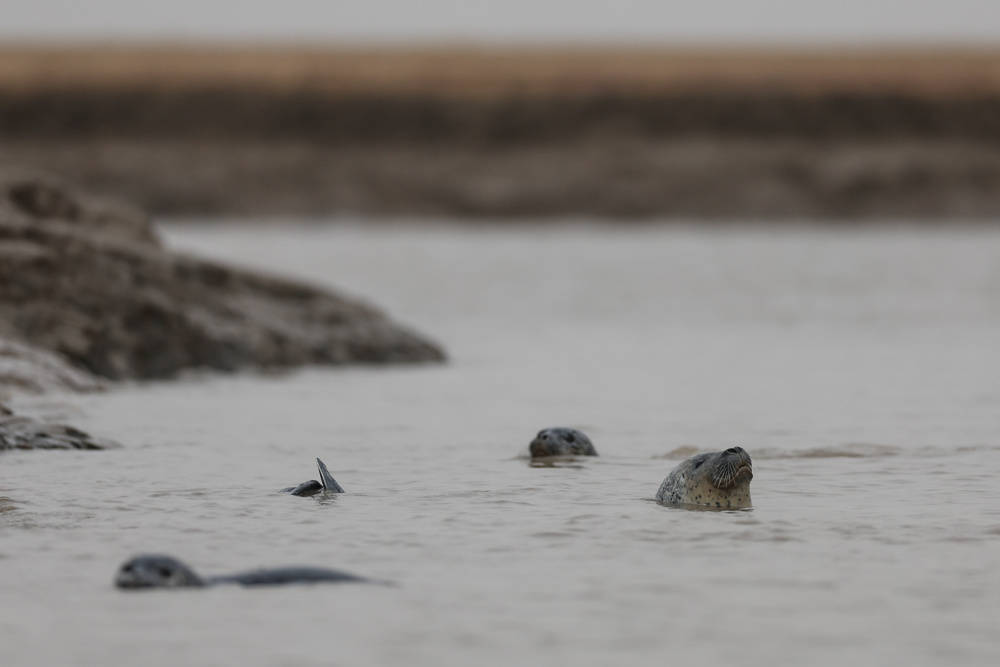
x,y
647,20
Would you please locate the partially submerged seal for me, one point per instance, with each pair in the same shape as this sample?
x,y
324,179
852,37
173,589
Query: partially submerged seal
x,y
717,479
326,484
561,442
159,571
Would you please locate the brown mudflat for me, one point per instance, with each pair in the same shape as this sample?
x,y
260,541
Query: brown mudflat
x,y
530,132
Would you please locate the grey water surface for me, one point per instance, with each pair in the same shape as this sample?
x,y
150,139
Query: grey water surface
x,y
859,367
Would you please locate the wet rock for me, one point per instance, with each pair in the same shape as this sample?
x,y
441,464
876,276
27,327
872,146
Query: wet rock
x,y
27,369
92,284
18,432
31,197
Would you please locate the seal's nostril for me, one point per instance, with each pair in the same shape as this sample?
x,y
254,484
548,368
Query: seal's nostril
x,y
734,450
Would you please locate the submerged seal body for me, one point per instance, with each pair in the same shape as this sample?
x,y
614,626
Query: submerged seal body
x,y
326,484
561,442
717,479
159,571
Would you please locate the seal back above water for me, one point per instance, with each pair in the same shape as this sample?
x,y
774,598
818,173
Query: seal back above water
x,y
561,442
161,571
720,480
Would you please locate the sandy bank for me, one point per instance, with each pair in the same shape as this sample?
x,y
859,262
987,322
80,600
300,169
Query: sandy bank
x,y
624,133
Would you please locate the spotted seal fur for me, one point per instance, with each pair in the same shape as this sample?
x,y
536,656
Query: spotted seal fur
x,y
160,571
716,479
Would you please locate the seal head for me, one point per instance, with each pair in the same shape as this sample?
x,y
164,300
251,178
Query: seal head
x,y
720,480
561,442
156,571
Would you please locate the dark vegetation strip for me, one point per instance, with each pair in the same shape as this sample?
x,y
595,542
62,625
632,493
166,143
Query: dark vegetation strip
x,y
372,118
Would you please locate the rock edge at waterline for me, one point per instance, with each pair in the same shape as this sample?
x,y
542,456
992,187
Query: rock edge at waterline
x,y
88,293
90,281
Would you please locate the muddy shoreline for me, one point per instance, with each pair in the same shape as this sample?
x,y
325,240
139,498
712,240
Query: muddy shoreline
x,y
630,135
623,178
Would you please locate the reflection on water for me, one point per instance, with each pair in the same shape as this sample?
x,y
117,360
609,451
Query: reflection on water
x,y
858,368
556,461
850,450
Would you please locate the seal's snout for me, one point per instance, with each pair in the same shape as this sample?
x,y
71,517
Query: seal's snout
x,y
126,577
741,456
155,571
734,467
541,446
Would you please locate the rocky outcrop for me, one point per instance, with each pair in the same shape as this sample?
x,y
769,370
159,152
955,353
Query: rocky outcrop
x,y
27,197
19,432
87,292
90,282
27,369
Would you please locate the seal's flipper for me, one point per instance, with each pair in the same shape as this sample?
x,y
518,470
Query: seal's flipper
x,y
329,483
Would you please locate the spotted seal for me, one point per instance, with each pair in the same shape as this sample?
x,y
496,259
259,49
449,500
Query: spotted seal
x,y
160,571
716,479
326,484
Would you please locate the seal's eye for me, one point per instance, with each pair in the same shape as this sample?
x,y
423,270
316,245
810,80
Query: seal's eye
x,y
697,464
164,572
570,437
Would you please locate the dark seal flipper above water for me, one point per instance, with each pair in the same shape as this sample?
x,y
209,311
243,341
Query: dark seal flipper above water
x,y
327,484
160,571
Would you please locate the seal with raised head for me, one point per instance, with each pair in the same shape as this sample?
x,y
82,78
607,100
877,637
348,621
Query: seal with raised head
x,y
716,479
561,442
160,571
327,484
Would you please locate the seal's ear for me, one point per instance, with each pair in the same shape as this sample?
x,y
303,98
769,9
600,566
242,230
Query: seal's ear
x,y
329,483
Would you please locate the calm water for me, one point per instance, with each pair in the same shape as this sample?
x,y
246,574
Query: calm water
x,y
859,368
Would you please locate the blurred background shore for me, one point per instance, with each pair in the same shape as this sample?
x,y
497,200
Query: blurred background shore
x,y
513,132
